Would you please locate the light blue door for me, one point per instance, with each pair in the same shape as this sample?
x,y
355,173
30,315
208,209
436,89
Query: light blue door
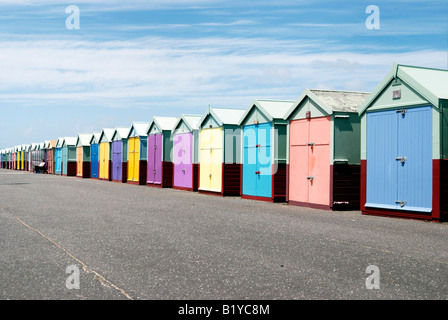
x,y
64,160
257,160
415,164
58,160
399,159
250,160
264,160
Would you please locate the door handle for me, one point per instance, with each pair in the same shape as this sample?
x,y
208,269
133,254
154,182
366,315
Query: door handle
x,y
310,178
401,203
402,159
257,172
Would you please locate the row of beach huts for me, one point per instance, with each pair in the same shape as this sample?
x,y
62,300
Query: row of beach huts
x,y
382,152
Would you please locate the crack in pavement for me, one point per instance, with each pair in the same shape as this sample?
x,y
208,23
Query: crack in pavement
x,y
101,279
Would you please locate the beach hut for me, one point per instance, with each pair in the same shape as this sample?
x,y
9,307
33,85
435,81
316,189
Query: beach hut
x,y
44,154
137,153
69,157
105,143
220,151
160,149
19,158
324,150
22,157
26,157
41,155
31,157
265,150
404,145
51,145
7,157
11,158
186,153
2,158
83,155
58,156
120,154
95,156
16,158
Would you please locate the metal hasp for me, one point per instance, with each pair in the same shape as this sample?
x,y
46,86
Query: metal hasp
x,y
401,203
402,111
402,159
310,178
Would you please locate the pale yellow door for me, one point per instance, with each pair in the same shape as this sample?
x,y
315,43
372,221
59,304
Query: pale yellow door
x,y
204,158
211,158
216,160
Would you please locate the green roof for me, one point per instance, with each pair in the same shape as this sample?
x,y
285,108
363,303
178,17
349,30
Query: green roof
x,y
432,84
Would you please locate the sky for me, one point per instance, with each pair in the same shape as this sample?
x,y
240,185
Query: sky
x,y
132,60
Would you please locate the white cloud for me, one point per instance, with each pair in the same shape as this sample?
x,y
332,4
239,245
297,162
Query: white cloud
x,y
181,71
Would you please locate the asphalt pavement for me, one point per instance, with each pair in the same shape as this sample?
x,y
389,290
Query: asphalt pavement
x,y
138,242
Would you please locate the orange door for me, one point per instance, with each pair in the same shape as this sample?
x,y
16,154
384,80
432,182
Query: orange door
x,y
79,161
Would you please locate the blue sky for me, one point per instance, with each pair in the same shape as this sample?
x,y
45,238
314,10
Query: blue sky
x,y
132,60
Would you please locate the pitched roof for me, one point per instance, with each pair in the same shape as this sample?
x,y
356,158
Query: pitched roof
x,y
163,123
139,129
70,141
60,143
272,109
191,121
331,100
428,82
223,115
107,133
96,137
84,139
121,132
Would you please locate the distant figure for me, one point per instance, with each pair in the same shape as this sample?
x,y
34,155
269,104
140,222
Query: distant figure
x,y
40,168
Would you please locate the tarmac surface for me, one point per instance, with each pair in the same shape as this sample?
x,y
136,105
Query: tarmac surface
x,y
138,242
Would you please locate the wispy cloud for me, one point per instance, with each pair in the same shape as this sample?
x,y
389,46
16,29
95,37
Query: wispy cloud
x,y
162,69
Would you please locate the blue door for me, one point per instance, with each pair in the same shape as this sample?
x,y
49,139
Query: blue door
x,y
64,160
250,160
257,160
94,160
399,159
264,160
58,161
